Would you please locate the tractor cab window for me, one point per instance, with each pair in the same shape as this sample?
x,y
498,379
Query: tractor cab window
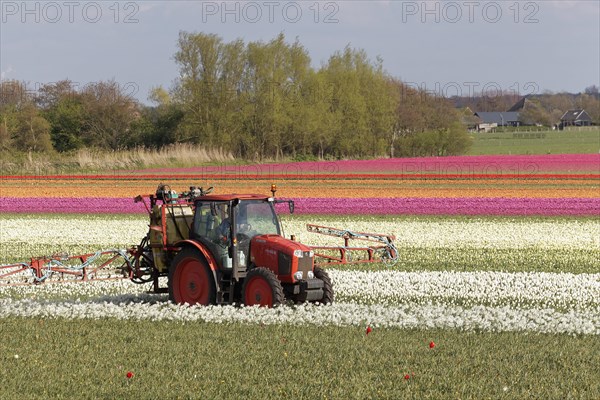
x,y
212,228
256,217
211,221
252,218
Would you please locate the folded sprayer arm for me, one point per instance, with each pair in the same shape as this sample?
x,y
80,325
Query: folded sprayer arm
x,y
382,251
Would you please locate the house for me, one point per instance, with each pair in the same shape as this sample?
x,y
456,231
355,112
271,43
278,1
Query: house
x,y
484,127
575,118
508,118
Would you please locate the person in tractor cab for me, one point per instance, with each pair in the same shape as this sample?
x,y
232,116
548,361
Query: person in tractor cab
x,y
224,228
224,231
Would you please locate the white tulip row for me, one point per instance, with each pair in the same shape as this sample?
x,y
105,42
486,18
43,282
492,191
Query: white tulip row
x,y
540,302
522,289
506,233
428,316
100,230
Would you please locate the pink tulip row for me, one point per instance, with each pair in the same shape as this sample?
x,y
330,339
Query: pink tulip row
x,y
74,205
499,164
346,206
450,206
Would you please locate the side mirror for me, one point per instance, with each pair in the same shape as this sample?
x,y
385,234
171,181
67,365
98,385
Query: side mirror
x,y
290,204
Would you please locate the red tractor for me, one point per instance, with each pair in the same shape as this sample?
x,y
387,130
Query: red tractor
x,y
215,249
226,249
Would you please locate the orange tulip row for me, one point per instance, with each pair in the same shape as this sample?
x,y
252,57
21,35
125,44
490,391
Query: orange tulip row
x,y
351,188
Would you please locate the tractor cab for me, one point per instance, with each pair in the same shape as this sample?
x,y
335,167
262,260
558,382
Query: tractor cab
x,y
227,225
254,263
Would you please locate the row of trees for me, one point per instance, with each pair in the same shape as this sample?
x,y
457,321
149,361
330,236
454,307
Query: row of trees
x,y
265,100
58,117
257,100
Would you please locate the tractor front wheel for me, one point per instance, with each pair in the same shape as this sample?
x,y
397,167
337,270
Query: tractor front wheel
x,y
191,281
321,274
261,287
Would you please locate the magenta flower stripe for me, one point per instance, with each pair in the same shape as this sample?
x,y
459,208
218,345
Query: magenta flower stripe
x,y
345,206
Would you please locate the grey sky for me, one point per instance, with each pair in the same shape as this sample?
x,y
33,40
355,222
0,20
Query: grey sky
x,y
450,47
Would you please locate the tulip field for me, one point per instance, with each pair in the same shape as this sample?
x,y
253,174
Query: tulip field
x,y
495,293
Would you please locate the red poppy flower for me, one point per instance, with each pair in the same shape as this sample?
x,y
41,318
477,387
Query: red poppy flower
x,y
431,345
369,330
407,376
129,375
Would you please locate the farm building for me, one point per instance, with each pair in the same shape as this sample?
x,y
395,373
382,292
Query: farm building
x,y
495,119
575,118
485,127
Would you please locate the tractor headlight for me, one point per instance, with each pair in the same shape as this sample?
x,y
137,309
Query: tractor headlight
x,y
298,253
310,275
298,275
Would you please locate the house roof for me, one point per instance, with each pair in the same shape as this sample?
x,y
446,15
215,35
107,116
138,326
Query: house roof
x,y
466,111
500,118
519,105
575,115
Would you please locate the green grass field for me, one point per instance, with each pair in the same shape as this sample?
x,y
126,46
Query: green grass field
x,y
89,359
545,142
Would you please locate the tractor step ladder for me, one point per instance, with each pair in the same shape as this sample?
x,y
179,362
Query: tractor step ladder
x,y
227,288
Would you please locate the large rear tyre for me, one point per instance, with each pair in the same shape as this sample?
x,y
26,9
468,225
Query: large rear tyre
x,y
191,281
261,287
321,274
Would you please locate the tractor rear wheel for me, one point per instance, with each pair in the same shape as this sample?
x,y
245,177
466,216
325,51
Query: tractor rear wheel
x,y
191,281
261,287
321,274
